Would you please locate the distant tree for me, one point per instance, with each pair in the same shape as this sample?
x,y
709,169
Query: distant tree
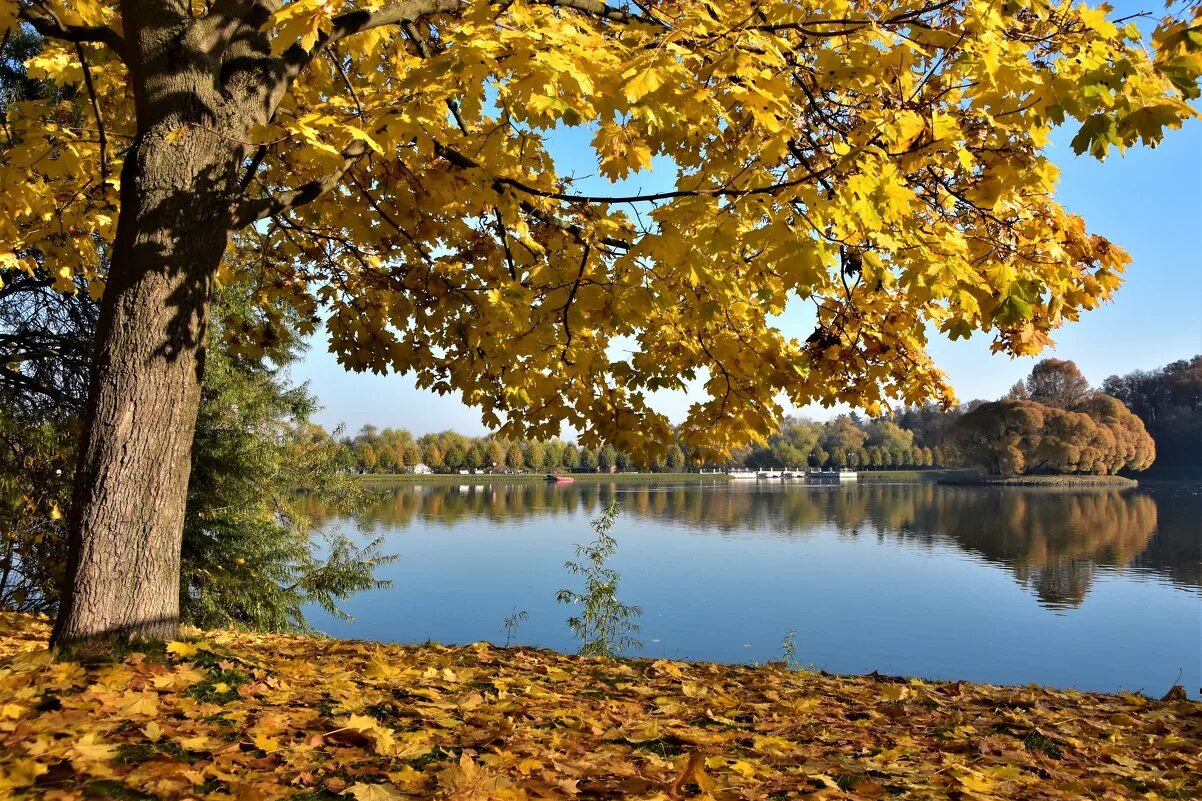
x,y
622,461
514,458
674,461
413,455
1001,437
535,454
1169,402
571,456
1017,392
1057,382
553,458
607,457
1134,447
386,458
474,457
889,435
586,458
840,437
496,454
368,458
433,457
790,446
455,456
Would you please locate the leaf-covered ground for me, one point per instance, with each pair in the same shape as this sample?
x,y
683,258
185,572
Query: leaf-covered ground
x,y
239,716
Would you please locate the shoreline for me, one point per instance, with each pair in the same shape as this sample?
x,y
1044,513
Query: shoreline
x,y
236,714
616,478
1065,482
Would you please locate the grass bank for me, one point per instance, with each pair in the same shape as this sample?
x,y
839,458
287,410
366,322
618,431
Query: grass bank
x,y
977,480
240,716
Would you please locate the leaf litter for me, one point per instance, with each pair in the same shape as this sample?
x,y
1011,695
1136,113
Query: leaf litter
x,y
241,716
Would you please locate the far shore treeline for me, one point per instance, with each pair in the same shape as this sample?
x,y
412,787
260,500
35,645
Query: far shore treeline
x,y
1054,422
250,557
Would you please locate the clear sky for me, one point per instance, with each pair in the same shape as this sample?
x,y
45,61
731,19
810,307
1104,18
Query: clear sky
x,y
1148,201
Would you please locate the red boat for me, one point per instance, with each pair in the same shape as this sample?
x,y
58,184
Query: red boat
x,y
560,479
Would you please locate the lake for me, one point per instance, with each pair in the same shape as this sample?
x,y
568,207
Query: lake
x,y
1098,590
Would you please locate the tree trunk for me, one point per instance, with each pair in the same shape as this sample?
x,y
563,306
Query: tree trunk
x,y
123,569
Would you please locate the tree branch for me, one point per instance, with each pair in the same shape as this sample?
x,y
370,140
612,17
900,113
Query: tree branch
x,y
460,160
259,208
567,307
296,57
408,12
91,87
49,25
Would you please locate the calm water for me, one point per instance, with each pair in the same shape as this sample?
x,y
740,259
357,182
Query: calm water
x,y
1095,590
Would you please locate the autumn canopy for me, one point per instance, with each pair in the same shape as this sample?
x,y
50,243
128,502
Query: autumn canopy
x,y
387,168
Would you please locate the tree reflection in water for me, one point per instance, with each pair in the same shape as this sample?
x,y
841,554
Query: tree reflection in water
x,y
1052,541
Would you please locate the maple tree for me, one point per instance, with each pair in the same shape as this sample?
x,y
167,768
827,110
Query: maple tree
x,y
384,167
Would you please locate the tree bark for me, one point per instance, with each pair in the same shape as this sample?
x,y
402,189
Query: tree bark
x,y
122,577
178,186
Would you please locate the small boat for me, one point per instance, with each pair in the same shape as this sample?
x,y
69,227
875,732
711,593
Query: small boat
x,y
741,474
560,479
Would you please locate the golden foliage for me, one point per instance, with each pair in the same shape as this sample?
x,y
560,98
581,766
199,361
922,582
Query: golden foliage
x,y
266,717
1012,438
883,162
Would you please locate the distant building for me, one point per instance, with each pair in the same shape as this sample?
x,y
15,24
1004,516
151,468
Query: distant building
x,y
422,469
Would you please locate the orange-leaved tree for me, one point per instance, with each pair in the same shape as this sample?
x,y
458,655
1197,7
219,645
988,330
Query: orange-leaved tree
x,y
384,165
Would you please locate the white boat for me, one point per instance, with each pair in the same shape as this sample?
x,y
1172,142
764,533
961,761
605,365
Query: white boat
x,y
741,474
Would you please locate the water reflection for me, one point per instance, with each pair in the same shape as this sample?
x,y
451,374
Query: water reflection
x,y
1054,543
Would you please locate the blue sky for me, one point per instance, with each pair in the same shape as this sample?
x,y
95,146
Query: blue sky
x,y
1148,201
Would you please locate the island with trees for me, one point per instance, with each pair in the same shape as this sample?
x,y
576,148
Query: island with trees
x,y
1054,429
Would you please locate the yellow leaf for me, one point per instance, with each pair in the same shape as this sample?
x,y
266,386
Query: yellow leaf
x,y
975,782
265,743
135,703
183,649
88,749
642,84
374,792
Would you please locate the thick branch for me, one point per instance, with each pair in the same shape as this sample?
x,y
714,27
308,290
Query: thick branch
x,y
352,22
595,8
52,28
411,11
263,207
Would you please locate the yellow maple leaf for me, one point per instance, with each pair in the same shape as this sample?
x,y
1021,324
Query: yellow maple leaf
x,y
374,792
89,749
643,83
183,649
